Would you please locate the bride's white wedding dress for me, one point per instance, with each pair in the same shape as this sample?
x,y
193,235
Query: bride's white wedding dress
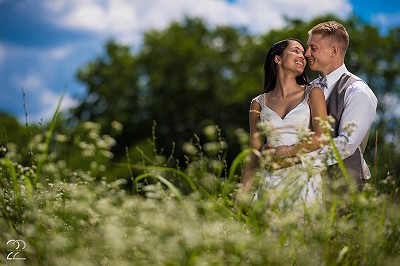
x,y
294,184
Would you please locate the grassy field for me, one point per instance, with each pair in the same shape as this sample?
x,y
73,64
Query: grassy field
x,y
163,215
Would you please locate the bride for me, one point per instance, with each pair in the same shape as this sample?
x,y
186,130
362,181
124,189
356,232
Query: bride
x,y
287,105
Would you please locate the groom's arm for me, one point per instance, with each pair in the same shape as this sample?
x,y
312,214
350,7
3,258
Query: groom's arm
x,y
360,109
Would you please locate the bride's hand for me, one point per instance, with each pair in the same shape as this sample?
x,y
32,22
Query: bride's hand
x,y
283,151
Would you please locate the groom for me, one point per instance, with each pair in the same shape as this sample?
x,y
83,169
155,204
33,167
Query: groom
x,y
348,97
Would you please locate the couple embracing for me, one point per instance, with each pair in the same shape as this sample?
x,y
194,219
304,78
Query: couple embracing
x,y
290,102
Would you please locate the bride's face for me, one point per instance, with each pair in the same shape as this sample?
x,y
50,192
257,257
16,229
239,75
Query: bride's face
x,y
293,58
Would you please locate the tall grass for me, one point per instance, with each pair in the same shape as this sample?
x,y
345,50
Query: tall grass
x,y
173,216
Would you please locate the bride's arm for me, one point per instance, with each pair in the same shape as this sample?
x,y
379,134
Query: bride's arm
x,y
256,143
318,111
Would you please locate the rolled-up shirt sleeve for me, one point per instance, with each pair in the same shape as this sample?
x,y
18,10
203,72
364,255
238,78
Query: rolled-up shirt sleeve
x,y
360,109
359,112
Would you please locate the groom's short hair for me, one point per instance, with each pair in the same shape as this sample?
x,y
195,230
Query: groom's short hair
x,y
333,30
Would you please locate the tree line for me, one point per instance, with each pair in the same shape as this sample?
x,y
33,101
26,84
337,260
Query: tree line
x,y
189,76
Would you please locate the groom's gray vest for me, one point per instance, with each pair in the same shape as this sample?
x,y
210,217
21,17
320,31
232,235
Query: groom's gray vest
x,y
335,107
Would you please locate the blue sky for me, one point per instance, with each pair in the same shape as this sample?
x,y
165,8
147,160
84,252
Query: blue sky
x,y
44,42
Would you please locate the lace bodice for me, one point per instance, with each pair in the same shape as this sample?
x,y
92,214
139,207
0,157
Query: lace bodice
x,y
284,131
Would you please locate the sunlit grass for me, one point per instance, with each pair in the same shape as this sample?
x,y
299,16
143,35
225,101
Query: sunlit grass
x,y
173,216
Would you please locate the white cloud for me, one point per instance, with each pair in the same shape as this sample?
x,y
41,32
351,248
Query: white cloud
x,y
49,71
60,52
127,19
264,15
31,83
386,20
19,53
50,101
37,94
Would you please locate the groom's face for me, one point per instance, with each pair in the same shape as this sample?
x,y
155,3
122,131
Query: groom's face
x,y
318,54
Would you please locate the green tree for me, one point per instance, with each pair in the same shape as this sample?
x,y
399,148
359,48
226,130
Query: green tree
x,y
190,75
114,94
14,137
184,77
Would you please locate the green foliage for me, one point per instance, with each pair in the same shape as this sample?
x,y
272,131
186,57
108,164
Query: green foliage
x,y
189,76
385,165
107,195
73,217
114,94
13,137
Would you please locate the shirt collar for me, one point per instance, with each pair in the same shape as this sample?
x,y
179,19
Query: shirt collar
x,y
332,78
335,75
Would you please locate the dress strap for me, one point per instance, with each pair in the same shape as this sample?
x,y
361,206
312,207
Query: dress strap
x,y
260,99
308,90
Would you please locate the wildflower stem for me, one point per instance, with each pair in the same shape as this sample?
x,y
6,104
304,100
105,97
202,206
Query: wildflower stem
x,y
162,180
48,138
235,164
128,158
166,169
341,165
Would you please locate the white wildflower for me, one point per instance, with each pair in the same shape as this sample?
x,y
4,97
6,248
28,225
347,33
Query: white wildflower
x,y
211,148
93,165
326,124
209,181
50,168
93,135
350,127
189,148
107,154
3,149
223,145
216,164
117,126
323,138
89,125
266,129
159,159
114,235
102,168
61,138
41,147
242,135
211,131
62,164
37,138
88,153
106,142
305,134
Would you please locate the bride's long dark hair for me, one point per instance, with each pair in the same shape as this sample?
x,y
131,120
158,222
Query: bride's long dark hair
x,y
270,71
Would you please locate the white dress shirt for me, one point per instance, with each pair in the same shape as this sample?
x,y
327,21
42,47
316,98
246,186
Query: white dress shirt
x,y
360,105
